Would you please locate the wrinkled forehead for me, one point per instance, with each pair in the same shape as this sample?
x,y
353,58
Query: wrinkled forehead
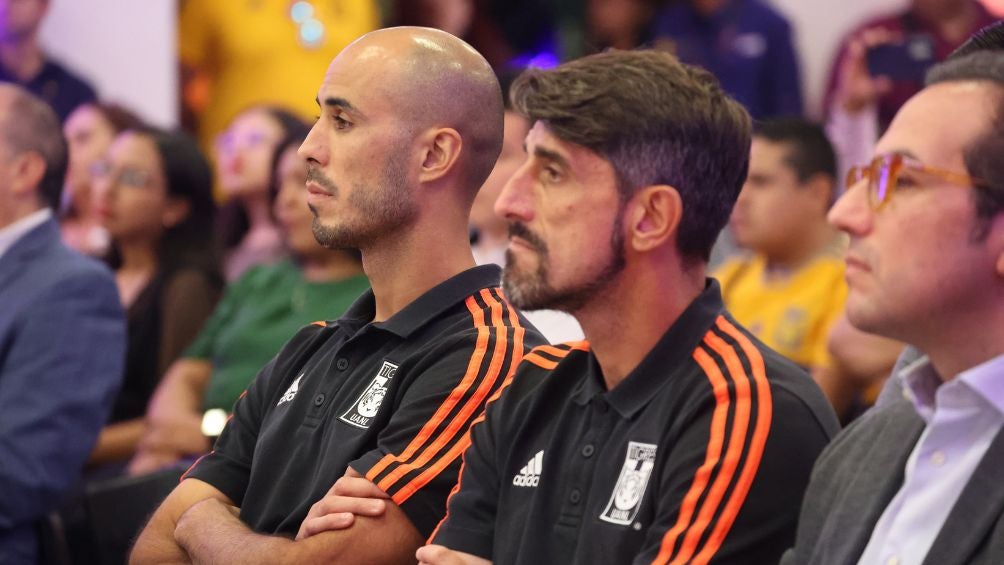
x,y
931,129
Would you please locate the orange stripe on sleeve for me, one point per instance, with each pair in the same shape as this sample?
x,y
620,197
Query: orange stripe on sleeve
x,y
716,441
730,463
469,409
427,430
759,441
540,361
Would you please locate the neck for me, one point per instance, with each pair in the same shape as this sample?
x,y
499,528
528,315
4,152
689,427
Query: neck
x,y
974,335
329,266
649,299
23,58
137,255
800,250
407,263
258,211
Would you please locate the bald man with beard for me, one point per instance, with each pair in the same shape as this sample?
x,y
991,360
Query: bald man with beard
x,y
410,127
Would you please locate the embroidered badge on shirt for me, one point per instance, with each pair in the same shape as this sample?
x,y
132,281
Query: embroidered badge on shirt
x,y
366,407
631,484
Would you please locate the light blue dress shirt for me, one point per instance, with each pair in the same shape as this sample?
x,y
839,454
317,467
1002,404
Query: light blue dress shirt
x,y
963,416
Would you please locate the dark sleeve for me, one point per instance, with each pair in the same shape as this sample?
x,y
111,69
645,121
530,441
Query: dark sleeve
x,y
189,298
785,84
417,458
731,486
469,525
59,373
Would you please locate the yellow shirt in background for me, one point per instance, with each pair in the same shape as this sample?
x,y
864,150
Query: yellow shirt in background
x,y
792,313
252,51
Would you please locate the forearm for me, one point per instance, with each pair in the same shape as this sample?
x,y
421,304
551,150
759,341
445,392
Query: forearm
x,y
179,395
118,441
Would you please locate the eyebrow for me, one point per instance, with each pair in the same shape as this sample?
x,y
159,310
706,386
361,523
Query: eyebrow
x,y
550,155
339,102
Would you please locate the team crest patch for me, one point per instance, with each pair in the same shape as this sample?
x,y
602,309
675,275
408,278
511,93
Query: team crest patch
x,y
366,407
631,484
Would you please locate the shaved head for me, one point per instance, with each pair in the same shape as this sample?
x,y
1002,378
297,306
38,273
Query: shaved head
x,y
434,79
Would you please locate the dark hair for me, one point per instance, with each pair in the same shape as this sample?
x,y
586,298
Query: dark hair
x,y
809,150
187,177
657,121
233,218
117,116
983,156
990,38
32,126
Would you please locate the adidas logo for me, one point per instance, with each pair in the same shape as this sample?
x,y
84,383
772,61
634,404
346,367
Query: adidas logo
x,y
291,391
529,475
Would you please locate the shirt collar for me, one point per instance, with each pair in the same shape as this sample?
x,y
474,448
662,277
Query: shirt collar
x,y
669,356
921,383
13,232
424,308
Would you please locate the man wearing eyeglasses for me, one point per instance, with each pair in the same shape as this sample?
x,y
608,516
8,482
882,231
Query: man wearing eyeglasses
x,y
917,480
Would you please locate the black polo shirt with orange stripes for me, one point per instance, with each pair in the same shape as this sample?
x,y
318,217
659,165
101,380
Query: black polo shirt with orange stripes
x,y
701,454
393,400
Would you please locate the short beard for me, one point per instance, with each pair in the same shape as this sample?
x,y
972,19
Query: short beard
x,y
532,291
381,210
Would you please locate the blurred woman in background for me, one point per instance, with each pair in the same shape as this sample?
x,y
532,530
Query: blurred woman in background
x,y
153,194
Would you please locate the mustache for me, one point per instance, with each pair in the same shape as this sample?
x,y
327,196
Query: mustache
x,y
519,229
315,175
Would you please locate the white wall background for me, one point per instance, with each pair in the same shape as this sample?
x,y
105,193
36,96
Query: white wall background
x,y
125,48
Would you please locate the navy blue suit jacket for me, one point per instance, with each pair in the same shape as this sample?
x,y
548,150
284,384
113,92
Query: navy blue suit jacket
x,y
62,345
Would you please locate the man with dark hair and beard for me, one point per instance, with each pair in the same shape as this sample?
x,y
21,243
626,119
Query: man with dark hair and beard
x,y
672,435
410,126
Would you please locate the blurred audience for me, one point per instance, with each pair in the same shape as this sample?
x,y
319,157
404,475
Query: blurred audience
x,y
237,53
746,44
861,99
152,193
243,158
23,61
256,316
491,230
791,289
62,331
89,130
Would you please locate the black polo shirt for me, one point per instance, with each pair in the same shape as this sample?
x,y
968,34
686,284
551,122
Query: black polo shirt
x,y
701,454
393,400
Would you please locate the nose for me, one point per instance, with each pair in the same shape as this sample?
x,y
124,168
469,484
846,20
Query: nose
x,y
514,202
313,148
851,213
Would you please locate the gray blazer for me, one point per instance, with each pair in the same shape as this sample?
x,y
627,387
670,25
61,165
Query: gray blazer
x,y
862,470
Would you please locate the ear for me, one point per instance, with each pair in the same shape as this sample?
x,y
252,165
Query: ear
x,y
28,169
821,188
440,150
175,212
653,216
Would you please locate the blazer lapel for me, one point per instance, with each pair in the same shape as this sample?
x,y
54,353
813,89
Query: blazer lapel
x,y
975,514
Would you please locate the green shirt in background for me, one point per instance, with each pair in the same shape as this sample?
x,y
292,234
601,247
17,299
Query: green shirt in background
x,y
257,315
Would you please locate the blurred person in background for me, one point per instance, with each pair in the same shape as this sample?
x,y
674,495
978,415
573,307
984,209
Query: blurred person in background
x,y
861,98
152,192
61,326
256,316
244,154
226,47
23,61
746,44
89,131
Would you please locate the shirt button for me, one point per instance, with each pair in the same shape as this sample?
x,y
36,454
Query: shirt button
x,y
342,364
938,458
575,496
319,400
587,450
